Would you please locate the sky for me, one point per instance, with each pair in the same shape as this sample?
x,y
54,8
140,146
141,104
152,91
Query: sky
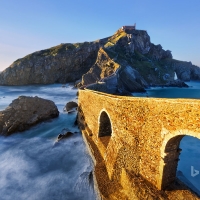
x,y
27,26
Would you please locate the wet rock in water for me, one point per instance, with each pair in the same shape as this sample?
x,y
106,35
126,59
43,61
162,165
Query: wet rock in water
x,y
63,135
25,112
71,107
177,83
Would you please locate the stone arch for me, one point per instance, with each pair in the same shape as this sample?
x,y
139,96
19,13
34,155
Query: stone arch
x,y
170,152
105,127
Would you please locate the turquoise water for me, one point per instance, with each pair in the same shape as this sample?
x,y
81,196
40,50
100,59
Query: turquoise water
x,y
193,91
31,167
190,155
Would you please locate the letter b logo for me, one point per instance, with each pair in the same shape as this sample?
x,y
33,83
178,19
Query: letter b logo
x,y
194,172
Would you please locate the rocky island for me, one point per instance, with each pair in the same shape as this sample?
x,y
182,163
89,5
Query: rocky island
x,y
127,61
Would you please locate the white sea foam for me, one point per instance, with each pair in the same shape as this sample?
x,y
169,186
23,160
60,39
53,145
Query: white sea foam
x,y
31,166
35,169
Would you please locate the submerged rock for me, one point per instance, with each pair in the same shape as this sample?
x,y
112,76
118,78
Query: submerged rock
x,y
71,107
64,136
25,112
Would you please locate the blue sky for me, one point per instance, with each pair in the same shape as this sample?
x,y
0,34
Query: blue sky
x,y
30,25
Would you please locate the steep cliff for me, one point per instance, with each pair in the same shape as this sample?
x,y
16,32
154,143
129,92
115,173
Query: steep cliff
x,y
103,67
60,64
129,55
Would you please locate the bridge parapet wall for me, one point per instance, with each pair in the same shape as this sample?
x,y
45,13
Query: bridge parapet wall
x,y
145,133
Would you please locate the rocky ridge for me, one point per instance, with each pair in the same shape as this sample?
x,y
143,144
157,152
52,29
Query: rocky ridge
x,y
124,62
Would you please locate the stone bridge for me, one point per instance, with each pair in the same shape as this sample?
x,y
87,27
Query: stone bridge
x,y
134,138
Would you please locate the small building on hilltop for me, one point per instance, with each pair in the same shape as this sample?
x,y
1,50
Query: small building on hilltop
x,y
124,28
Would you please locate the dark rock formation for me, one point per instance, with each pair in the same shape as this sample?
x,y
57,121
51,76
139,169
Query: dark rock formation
x,y
134,63
183,70
71,106
177,83
90,62
131,80
25,112
194,72
64,136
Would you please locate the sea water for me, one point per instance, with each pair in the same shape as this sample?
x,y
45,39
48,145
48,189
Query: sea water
x,y
190,154
31,166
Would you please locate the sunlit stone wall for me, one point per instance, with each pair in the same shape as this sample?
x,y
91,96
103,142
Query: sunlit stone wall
x,y
146,133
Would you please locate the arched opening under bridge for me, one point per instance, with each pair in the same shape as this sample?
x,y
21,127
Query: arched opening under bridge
x,y
105,128
182,161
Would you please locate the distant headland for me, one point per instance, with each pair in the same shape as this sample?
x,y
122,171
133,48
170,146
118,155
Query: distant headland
x,y
127,61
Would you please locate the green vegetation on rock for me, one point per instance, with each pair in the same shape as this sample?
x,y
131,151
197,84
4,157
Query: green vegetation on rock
x,y
129,51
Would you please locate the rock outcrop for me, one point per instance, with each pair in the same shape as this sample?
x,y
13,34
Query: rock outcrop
x,y
183,70
130,80
64,136
194,72
103,67
90,62
25,112
71,106
61,64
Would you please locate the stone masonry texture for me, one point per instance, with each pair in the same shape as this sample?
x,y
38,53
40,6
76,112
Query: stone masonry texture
x,y
139,159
